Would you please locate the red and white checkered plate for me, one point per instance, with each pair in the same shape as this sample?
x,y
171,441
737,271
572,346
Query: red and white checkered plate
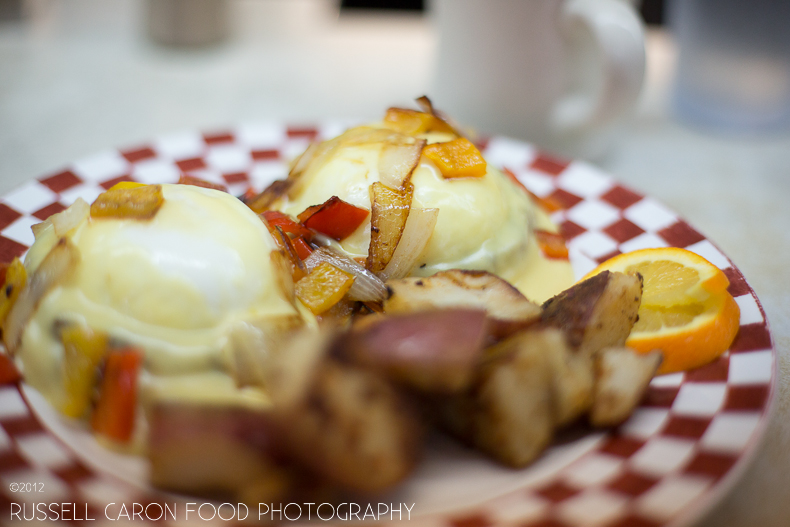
x,y
678,454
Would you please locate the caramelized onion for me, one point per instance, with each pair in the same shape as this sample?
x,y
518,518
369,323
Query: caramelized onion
x,y
366,135
416,234
304,160
367,287
64,221
398,161
388,214
427,106
71,217
55,267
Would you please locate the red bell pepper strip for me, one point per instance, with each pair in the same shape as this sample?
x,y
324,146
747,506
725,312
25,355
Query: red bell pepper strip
x,y
248,195
551,244
197,182
283,241
303,250
275,218
335,218
8,372
547,204
114,415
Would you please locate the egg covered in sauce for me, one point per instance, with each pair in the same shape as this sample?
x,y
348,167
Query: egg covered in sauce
x,y
175,286
486,220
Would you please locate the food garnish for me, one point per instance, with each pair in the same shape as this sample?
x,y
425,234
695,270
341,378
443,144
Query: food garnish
x,y
55,267
185,179
139,202
415,122
457,158
263,201
335,218
552,244
303,250
427,106
14,280
686,310
547,204
287,248
9,374
116,408
275,218
323,287
367,287
415,237
389,212
397,162
83,353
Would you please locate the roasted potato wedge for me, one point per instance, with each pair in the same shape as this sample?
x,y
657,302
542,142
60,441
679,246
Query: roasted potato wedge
x,y
508,411
293,364
354,430
598,312
249,345
572,377
621,379
344,423
212,450
434,351
456,288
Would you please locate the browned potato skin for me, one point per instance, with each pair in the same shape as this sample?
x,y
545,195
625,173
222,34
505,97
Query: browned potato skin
x,y
249,345
621,379
353,429
509,311
240,443
572,378
432,351
342,422
508,412
598,312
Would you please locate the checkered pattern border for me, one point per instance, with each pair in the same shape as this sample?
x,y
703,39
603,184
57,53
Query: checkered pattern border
x,y
679,452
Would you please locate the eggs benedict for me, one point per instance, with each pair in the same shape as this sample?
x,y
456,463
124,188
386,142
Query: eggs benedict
x,y
484,220
177,286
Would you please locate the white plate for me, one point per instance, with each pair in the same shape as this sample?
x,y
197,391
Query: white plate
x,y
676,456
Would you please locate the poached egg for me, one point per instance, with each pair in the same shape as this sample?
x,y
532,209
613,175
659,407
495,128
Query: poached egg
x,y
176,286
484,223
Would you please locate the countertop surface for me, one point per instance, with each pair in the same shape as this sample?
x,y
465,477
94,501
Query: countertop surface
x,y
81,76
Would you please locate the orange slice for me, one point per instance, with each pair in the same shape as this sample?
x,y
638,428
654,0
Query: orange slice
x,y
671,275
686,311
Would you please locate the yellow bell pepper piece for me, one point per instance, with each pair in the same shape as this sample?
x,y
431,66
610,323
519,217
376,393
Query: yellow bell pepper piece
x,y
127,185
138,202
83,352
15,280
323,287
414,122
457,158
